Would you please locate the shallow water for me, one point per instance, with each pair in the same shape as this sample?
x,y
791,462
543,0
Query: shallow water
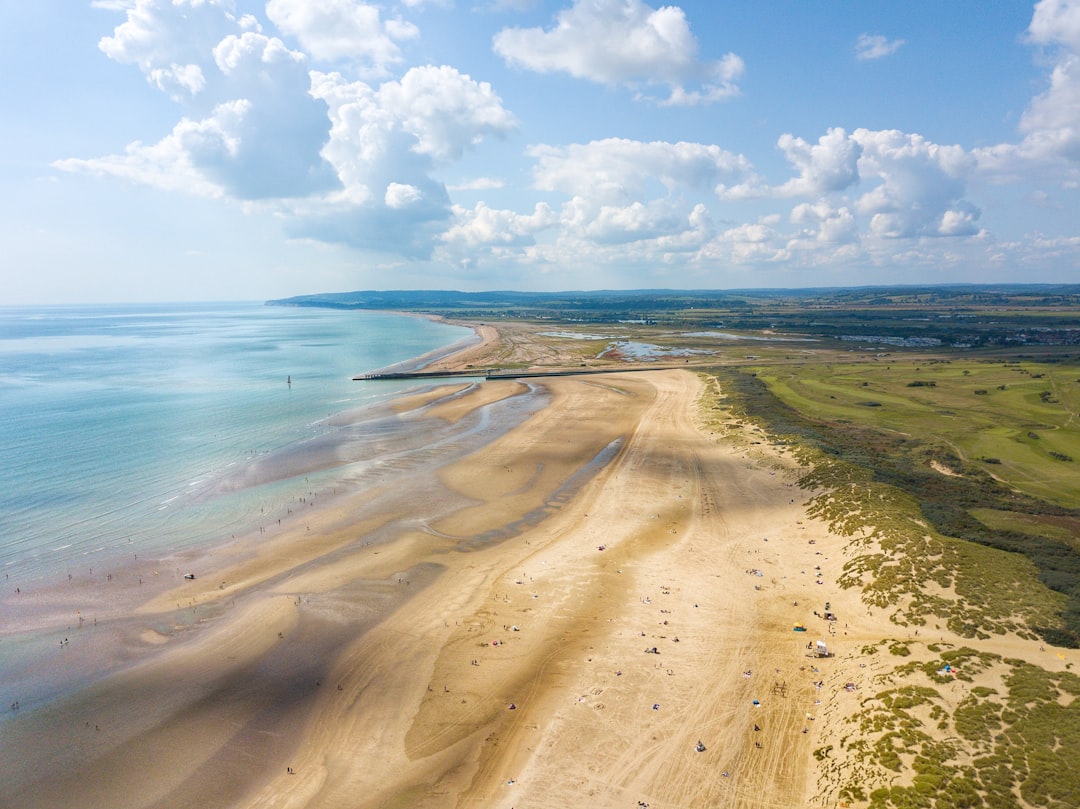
x,y
159,428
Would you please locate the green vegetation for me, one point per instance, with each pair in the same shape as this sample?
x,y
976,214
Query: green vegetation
x,y
897,317
938,409
936,539
906,467
939,427
1005,746
1062,528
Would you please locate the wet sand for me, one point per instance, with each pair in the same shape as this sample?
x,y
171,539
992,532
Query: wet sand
x,y
550,605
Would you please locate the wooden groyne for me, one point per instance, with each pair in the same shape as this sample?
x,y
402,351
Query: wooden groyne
x,y
418,375
501,373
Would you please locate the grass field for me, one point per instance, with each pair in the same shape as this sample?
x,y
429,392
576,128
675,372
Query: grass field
x,y
892,464
979,451
1019,420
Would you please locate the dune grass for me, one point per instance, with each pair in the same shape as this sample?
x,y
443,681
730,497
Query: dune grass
x,y
945,726
1007,745
905,470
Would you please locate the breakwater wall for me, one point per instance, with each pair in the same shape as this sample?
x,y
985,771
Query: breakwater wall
x,y
501,373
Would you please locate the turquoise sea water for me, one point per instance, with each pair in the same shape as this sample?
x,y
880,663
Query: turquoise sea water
x,y
139,428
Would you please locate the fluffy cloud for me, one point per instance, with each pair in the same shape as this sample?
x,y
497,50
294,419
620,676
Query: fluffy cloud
x,y
170,39
828,166
339,161
263,142
1051,124
360,162
633,223
749,243
623,42
617,169
875,46
626,198
625,204
1056,21
400,195
167,164
916,188
403,127
178,80
485,226
330,30
445,110
921,189
384,145
826,223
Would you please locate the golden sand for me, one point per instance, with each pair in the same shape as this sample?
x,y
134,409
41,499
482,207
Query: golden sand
x,y
614,585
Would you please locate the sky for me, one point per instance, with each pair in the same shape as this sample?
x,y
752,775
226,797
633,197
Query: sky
x,y
163,150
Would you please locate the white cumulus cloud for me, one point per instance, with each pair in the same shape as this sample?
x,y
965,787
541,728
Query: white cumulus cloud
x,y
826,223
829,166
1050,126
1056,21
263,141
178,80
188,159
445,110
921,186
624,42
170,40
384,144
634,222
401,195
617,169
486,226
338,160
331,30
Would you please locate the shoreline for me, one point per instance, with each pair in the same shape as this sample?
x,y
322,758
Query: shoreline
x,y
548,595
38,602
451,356
302,611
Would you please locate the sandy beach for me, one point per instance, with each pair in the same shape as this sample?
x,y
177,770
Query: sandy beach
x,y
592,607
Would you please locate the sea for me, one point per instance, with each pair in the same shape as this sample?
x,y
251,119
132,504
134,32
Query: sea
x,y
157,428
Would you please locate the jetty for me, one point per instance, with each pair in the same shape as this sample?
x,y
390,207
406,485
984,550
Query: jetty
x,y
503,373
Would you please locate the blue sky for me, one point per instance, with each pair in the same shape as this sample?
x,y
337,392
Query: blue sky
x,y
226,149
